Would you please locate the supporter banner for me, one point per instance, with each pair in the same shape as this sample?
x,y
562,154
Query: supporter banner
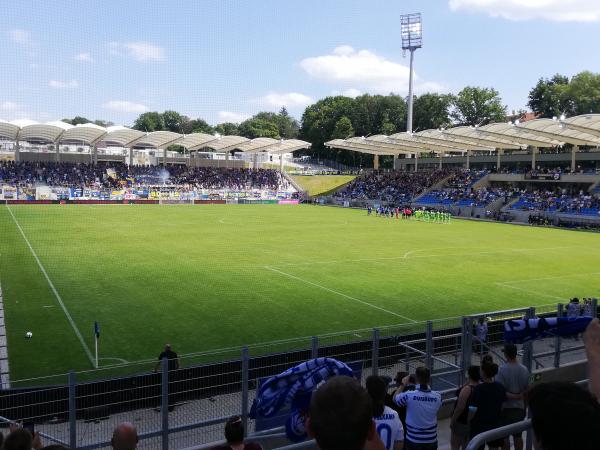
x,y
76,193
117,195
288,202
44,193
542,176
519,331
9,192
62,193
26,194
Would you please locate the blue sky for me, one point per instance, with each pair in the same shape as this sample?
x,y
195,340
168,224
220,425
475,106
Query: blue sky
x,y
228,59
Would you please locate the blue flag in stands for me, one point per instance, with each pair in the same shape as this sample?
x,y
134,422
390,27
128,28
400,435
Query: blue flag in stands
x,y
96,330
294,387
519,331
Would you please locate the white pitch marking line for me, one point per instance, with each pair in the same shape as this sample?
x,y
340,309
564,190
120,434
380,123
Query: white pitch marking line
x,y
550,278
338,293
124,361
48,306
53,288
407,256
528,291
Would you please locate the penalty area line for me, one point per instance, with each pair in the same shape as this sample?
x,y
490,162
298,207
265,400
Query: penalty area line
x,y
53,289
341,294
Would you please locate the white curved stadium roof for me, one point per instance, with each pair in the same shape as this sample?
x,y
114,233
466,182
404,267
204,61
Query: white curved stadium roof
x,y
581,130
91,134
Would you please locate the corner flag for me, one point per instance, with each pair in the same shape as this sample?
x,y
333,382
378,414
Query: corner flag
x,y
96,337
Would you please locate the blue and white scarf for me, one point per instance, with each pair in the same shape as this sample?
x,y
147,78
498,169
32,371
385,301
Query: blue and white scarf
x,y
294,387
519,331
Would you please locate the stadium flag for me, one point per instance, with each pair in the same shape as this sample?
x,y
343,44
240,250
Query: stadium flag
x,y
294,387
96,338
519,331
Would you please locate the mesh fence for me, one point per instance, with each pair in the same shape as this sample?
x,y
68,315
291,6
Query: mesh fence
x,y
208,388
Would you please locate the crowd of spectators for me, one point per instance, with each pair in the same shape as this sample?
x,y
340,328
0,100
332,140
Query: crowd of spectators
x,y
395,186
466,197
559,201
113,175
465,178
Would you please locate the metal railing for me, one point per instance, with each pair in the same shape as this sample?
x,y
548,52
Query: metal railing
x,y
187,406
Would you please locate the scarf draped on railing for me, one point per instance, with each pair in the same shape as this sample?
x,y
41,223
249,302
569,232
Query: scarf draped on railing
x,y
523,330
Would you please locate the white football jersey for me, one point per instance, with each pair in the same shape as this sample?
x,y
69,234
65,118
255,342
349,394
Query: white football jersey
x,y
389,428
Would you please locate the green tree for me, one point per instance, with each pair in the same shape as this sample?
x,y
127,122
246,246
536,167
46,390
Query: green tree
x,y
583,93
286,125
257,127
149,121
103,123
549,98
431,111
343,129
196,126
475,106
174,121
227,129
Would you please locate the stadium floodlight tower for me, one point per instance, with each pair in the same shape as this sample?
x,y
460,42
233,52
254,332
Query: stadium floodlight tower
x,y
412,39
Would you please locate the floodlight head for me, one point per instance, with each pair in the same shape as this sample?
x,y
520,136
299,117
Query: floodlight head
x,y
554,118
562,117
411,31
517,122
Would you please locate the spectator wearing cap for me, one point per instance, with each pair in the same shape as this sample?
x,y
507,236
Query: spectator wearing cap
x,y
514,376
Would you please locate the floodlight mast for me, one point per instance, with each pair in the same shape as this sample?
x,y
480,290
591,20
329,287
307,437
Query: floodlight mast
x,y
412,39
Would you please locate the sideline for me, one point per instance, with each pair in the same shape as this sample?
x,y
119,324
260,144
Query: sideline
x,y
289,275
53,288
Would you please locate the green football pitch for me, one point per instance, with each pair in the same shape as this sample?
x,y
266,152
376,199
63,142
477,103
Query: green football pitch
x,y
207,277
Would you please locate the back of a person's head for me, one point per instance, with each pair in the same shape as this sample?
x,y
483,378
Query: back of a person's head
x,y
377,388
489,369
340,414
474,373
553,405
234,430
19,439
125,437
510,351
423,375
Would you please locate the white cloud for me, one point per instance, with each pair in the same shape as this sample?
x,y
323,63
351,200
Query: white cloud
x,y
228,116
357,71
9,106
20,36
290,100
140,51
58,84
85,57
125,106
351,92
554,10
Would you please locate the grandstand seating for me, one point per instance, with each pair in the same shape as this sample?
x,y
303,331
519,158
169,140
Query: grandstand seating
x,y
580,204
396,186
112,175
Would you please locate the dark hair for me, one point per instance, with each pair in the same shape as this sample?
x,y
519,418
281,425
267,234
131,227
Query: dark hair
x,y
510,350
423,376
487,358
489,370
55,447
377,388
474,373
234,430
554,404
341,414
19,439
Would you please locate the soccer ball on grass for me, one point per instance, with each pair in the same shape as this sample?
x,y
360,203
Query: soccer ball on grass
x,y
29,335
